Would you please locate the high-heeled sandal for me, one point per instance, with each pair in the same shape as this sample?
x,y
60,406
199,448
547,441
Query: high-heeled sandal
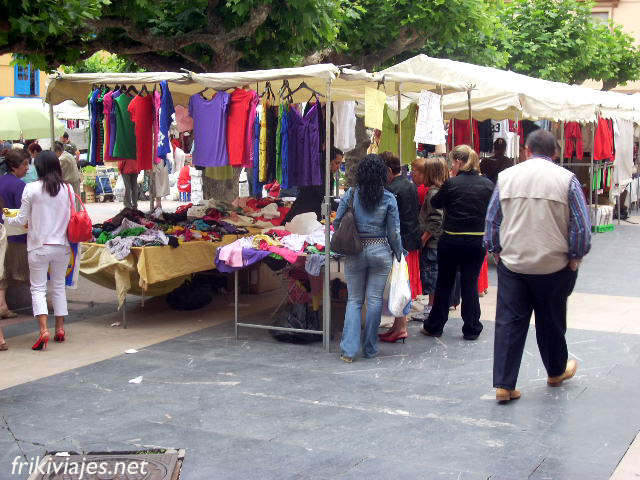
x,y
394,338
41,343
59,336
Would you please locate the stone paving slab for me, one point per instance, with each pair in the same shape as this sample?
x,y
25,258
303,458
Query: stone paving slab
x,y
258,408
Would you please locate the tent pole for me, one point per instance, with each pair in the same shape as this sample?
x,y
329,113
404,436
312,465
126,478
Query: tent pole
x,y
398,87
452,128
51,126
562,144
517,152
470,116
326,297
591,212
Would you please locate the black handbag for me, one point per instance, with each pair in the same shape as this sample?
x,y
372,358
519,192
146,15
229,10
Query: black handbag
x,y
346,241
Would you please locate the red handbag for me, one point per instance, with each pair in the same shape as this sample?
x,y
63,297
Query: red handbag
x,y
80,227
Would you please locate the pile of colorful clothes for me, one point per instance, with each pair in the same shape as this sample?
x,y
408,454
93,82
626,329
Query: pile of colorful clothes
x,y
274,244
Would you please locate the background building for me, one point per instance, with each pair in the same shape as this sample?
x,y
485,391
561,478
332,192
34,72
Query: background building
x,y
19,81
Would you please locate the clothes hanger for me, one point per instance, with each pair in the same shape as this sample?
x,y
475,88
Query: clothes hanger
x,y
304,85
268,91
144,90
132,88
285,91
201,93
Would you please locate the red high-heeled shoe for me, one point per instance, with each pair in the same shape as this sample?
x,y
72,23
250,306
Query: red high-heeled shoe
x,y
59,336
395,338
385,334
41,343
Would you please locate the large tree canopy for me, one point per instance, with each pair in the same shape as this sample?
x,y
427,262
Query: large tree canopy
x,y
558,40
214,35
551,39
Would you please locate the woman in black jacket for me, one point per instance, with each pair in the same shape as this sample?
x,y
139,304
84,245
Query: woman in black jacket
x,y
406,195
464,198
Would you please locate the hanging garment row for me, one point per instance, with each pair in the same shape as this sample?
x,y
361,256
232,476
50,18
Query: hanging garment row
x,y
130,126
280,142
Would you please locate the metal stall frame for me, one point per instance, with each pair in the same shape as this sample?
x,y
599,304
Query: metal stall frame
x,y
326,212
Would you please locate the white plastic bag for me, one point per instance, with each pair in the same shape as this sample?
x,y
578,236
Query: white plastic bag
x,y
119,188
400,289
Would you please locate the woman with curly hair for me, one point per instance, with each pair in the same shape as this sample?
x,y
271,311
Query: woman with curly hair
x,y
376,216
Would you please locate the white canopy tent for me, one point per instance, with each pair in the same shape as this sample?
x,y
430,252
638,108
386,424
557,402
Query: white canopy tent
x,y
70,110
498,94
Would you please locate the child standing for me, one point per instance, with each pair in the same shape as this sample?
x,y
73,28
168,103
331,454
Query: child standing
x,y
434,174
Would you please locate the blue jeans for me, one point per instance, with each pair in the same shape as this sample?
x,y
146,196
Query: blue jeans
x,y
366,275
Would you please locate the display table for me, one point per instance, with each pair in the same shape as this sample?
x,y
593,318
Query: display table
x,y
150,271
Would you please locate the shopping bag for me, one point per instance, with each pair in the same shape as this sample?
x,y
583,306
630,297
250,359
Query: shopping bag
x,y
387,316
119,189
400,289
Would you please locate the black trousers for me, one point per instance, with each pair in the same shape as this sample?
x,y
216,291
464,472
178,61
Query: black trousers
x,y
466,254
518,296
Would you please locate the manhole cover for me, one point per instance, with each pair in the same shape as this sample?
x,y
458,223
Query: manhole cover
x,y
111,466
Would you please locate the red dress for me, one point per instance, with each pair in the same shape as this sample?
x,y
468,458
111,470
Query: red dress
x,y
237,121
141,111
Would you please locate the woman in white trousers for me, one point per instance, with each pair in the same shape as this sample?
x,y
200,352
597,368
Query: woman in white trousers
x,y
46,209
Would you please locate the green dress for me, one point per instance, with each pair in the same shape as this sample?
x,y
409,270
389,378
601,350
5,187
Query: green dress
x,y
389,137
125,144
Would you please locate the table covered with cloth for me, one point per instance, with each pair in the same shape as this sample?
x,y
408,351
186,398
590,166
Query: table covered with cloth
x,y
149,270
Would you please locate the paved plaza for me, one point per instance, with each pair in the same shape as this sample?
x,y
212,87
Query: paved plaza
x,y
256,408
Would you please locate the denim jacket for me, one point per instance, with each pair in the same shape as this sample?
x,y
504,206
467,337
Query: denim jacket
x,y
382,221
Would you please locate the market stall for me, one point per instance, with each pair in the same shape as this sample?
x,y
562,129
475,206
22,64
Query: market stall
x,y
503,95
326,83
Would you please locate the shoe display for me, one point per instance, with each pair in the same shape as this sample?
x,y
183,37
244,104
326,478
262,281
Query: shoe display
x,y
504,395
570,371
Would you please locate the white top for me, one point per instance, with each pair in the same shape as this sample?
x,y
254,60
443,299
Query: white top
x,y
47,216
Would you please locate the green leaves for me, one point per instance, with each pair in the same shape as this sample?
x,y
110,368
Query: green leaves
x,y
557,40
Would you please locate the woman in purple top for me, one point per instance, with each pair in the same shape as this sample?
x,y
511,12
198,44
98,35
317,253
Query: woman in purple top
x,y
16,266
210,129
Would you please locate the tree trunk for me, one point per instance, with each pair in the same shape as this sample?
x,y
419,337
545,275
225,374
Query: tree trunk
x,y
353,157
226,190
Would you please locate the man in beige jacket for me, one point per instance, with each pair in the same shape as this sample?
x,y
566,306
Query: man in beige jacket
x,y
538,229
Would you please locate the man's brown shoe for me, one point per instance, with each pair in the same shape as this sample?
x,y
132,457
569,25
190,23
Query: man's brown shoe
x,y
569,372
504,395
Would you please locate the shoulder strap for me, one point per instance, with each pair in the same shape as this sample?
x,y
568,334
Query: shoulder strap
x,y
73,207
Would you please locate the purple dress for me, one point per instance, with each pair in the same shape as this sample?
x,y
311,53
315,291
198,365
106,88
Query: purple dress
x,y
11,188
210,129
304,157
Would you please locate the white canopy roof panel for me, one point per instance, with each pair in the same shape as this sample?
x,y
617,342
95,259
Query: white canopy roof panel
x,y
498,93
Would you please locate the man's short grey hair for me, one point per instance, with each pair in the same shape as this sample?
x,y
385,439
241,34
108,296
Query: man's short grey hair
x,y
542,142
